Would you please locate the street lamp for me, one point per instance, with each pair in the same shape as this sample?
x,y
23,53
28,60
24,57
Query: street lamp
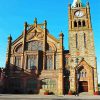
x,y
77,78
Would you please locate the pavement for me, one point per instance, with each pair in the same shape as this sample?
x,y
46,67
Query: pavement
x,y
46,97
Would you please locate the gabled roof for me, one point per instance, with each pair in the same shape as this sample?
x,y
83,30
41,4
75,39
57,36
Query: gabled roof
x,y
32,27
83,62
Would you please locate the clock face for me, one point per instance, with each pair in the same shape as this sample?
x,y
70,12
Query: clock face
x,y
79,13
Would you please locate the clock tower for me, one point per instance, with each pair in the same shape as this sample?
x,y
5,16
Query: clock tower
x,y
82,60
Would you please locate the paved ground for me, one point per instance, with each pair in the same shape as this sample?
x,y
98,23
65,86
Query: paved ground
x,y
49,97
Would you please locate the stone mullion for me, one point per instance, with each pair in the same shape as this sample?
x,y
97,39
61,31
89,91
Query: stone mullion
x,y
24,42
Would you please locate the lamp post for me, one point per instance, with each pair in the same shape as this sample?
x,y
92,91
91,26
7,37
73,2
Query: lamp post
x,y
77,78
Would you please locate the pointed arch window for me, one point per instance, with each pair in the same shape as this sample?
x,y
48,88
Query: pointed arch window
x,y
76,40
49,62
83,23
79,4
84,40
79,23
19,49
76,4
83,73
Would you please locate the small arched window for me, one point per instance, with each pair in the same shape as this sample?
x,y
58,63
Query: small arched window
x,y
76,40
79,4
83,73
84,40
75,24
76,4
79,23
83,22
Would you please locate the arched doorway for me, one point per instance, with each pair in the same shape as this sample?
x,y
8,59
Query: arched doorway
x,y
83,80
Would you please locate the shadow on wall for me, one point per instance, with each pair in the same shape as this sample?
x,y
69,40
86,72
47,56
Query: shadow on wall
x,y
16,80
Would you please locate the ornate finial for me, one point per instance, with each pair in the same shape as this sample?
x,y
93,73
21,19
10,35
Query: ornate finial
x,y
88,5
25,25
35,20
10,37
45,24
61,34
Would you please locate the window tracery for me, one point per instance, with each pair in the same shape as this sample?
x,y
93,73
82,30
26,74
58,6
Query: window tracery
x,y
83,73
19,49
49,62
35,45
31,62
18,61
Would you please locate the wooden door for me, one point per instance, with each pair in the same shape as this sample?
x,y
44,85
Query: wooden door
x,y
83,86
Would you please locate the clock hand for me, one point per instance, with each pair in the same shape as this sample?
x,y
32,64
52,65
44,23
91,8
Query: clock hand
x,y
79,14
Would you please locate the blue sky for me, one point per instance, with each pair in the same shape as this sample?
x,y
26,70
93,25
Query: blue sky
x,y
13,14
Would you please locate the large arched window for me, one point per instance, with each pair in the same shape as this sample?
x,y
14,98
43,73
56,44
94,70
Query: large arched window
x,y
19,49
35,45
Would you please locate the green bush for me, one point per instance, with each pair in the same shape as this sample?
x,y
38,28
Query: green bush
x,y
99,85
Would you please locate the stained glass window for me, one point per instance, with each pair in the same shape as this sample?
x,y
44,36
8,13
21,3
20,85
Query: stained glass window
x,y
35,45
18,61
49,62
19,49
32,61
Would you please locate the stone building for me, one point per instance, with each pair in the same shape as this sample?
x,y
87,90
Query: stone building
x,y
36,61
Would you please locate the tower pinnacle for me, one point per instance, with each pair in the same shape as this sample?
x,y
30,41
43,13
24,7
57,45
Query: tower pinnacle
x,y
77,3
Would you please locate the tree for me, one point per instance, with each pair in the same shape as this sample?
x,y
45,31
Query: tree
x,y
99,85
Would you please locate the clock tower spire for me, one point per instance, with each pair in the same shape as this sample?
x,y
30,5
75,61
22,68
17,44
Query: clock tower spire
x,y
81,47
